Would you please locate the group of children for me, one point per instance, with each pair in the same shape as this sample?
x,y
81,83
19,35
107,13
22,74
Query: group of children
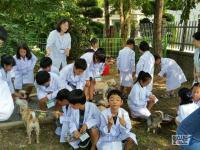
x,y
71,89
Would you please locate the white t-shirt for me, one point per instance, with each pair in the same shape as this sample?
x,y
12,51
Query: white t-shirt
x,y
185,110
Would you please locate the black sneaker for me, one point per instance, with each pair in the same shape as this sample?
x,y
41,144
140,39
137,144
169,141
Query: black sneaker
x,y
85,143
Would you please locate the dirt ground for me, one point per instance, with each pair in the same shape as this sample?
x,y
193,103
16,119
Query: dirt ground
x,y
16,139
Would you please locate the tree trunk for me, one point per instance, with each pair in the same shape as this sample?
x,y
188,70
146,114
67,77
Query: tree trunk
x,y
157,27
107,19
125,19
184,35
122,19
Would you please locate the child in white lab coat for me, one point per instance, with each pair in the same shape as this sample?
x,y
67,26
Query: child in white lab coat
x,y
115,125
186,106
6,101
62,123
141,100
196,43
93,59
84,120
46,65
72,76
126,65
196,93
94,44
172,71
25,63
47,86
146,62
7,63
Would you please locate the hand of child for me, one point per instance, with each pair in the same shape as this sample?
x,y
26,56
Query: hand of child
x,y
152,98
122,120
110,122
77,135
67,52
57,114
84,128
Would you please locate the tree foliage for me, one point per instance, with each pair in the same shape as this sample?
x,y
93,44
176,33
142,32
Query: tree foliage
x,y
28,20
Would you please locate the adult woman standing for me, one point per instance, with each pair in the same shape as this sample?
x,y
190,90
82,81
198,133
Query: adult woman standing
x,y
59,44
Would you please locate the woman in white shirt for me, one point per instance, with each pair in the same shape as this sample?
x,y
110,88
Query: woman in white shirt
x,y
59,44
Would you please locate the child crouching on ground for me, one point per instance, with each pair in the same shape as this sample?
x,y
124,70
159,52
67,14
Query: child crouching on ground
x,y
84,120
140,100
115,125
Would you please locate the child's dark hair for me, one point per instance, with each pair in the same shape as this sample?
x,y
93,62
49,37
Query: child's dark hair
x,y
130,42
7,60
157,56
89,50
45,62
42,77
93,41
99,56
195,85
196,35
114,92
3,34
80,64
185,95
76,97
28,51
144,46
62,94
143,76
60,22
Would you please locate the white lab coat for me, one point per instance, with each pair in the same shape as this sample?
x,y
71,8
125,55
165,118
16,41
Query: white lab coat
x,y
7,76
65,120
54,70
185,110
24,71
50,91
126,66
6,101
67,77
117,134
137,101
93,70
174,74
57,43
197,62
91,119
146,64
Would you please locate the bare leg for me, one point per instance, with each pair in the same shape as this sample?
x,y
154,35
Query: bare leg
x,y
91,90
86,89
129,144
29,134
94,135
37,134
122,89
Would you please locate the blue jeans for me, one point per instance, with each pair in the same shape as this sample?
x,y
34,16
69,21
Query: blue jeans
x,y
191,126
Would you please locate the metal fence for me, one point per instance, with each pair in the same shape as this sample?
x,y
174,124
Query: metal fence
x,y
111,45
172,34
